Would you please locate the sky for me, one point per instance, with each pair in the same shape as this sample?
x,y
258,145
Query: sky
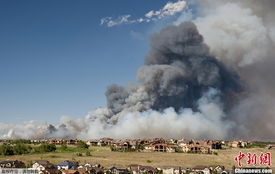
x,y
58,57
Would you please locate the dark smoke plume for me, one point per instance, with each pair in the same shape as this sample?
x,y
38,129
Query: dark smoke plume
x,y
177,72
116,98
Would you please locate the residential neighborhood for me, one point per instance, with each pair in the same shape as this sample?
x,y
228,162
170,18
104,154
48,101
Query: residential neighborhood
x,y
151,145
145,146
167,145
72,167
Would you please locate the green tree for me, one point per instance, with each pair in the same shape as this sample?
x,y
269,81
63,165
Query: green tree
x,y
82,145
78,154
140,147
64,146
47,148
6,150
21,141
88,153
21,149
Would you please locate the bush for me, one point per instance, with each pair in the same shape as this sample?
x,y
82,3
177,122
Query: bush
x,y
149,161
78,154
21,141
82,145
88,153
46,148
215,153
6,150
140,147
20,149
178,150
64,146
260,145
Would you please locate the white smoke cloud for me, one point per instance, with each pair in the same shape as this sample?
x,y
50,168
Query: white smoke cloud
x,y
234,34
169,9
27,130
207,122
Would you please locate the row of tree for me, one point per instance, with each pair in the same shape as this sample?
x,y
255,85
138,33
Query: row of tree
x,y
20,148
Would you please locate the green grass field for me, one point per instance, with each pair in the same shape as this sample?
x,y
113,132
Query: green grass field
x,y
106,157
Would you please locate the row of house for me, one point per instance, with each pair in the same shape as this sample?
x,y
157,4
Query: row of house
x,y
45,167
71,167
215,144
155,144
56,141
161,145
12,163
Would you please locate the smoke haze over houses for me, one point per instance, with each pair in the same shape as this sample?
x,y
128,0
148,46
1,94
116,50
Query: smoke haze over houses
x,y
211,78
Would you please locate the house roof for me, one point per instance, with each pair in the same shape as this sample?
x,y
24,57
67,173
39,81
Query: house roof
x,y
46,164
136,167
199,145
67,163
91,164
42,162
13,161
217,166
166,145
52,171
118,167
70,171
96,169
200,167
148,168
171,167
82,170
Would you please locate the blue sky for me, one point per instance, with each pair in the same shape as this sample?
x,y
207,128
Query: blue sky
x,y
56,59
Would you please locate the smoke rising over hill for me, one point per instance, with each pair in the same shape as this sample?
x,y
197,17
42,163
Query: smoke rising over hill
x,y
209,78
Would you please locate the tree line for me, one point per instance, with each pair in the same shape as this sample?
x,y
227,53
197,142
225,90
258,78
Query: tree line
x,y
20,148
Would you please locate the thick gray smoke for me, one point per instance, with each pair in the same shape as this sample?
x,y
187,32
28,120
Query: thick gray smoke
x,y
116,98
241,34
177,72
209,78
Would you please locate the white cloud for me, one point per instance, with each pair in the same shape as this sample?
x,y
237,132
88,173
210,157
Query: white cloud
x,y
120,20
149,14
169,9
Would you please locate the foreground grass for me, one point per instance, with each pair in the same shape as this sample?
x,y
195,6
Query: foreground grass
x,y
106,157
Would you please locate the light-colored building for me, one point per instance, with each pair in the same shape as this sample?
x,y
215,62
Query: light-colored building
x,y
172,169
